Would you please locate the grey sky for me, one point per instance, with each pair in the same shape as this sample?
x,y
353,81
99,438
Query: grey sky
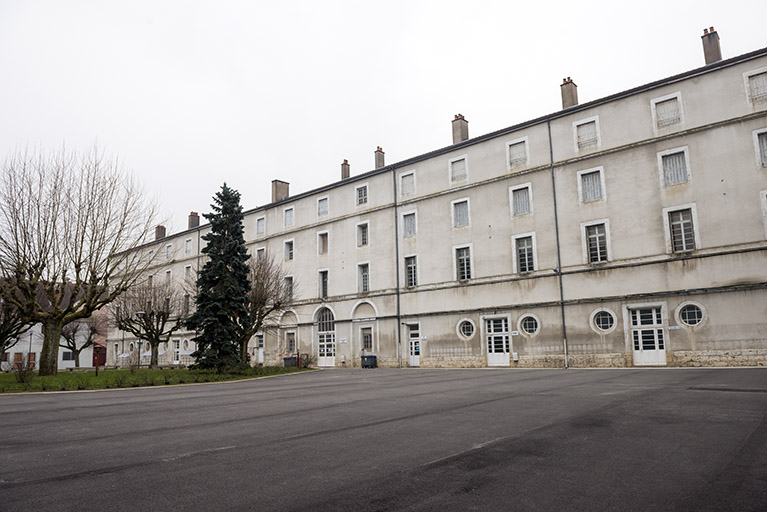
x,y
191,94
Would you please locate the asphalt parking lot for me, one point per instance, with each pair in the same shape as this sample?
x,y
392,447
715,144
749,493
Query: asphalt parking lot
x,y
387,439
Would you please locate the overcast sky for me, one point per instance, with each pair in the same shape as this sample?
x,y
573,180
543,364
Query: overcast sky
x,y
191,94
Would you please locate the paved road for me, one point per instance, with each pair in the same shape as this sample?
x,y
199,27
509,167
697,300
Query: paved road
x,y
645,439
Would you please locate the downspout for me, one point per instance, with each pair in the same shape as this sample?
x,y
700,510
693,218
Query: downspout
x,y
396,257
559,252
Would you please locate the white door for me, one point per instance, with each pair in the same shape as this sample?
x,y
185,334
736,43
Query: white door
x,y
260,348
327,349
414,340
647,337
497,337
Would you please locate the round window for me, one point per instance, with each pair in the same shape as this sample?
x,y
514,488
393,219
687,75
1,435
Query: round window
x,y
604,321
530,325
466,329
691,315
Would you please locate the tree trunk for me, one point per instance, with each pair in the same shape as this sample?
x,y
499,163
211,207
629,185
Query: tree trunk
x,y
153,360
76,355
244,351
49,357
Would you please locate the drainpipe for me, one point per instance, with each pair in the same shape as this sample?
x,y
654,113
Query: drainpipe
x,y
559,253
396,257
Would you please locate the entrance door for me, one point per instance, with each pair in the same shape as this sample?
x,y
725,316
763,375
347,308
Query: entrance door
x,y
327,349
414,339
647,337
497,337
260,348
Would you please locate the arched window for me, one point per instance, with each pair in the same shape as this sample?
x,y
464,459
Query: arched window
x,y
326,338
325,321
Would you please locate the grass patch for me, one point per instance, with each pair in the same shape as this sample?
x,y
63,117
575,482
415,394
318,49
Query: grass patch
x,y
108,379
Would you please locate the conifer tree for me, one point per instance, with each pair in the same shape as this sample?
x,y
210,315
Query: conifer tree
x,y
222,285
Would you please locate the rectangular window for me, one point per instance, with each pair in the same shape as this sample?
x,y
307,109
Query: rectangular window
x,y
150,281
290,341
363,277
463,263
761,141
188,273
188,246
322,206
288,217
167,276
458,170
517,154
674,168
667,112
323,284
411,271
521,199
524,251
261,226
407,184
187,299
651,336
362,234
168,251
461,213
260,253
757,87
681,230
289,250
176,351
408,225
322,243
596,242
287,285
587,136
591,186
67,355
367,338
259,341
362,195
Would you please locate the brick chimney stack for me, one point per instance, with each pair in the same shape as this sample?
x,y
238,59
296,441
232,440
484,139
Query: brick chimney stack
x,y
345,169
460,129
159,232
569,93
379,154
712,52
194,220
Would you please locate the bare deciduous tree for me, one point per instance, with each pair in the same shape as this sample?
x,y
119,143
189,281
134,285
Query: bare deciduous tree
x,y
11,327
271,291
81,334
68,225
151,312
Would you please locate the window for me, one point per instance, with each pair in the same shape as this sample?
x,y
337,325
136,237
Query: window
x,y
187,299
361,194
463,263
362,235
586,134
667,110
367,338
691,315
290,341
681,230
524,250
591,185
167,276
261,226
188,245
322,243
604,320
288,250
460,213
260,253
168,251
363,277
674,166
756,85
529,325
651,337
521,198
407,183
517,153
595,235
150,281
176,351
458,170
323,284
466,328
411,271
322,206
287,284
288,214
186,344
408,225
151,255
760,145
67,355
259,340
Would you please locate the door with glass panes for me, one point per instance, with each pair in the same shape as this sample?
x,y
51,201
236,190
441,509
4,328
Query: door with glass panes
x,y
414,342
647,336
497,341
326,338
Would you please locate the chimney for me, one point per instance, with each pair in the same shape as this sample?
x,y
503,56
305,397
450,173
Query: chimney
x,y
159,232
569,93
711,49
345,167
460,129
280,190
194,220
379,158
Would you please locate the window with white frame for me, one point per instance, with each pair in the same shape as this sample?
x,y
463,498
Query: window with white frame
x,y
168,275
667,110
756,85
409,226
260,253
322,206
288,250
523,246
288,216
760,146
188,245
463,263
460,213
363,234
521,198
591,185
168,251
529,325
407,183
411,271
516,153
176,351
261,226
185,308
586,134
366,333
361,194
151,255
323,283
363,277
459,170
674,166
322,243
287,286
595,235
188,274
681,229
290,341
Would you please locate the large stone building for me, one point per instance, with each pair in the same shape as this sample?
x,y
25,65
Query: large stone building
x,y
627,231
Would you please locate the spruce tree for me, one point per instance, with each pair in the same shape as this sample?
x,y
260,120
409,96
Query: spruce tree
x,y
222,285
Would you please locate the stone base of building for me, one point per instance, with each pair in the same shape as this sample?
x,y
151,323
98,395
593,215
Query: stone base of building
x,y
719,358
